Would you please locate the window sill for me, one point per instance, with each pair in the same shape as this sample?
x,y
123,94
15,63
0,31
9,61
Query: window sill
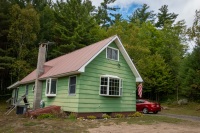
x,y
113,60
50,95
72,95
110,95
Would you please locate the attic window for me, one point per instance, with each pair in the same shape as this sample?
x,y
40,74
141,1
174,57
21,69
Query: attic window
x,y
110,85
51,87
112,53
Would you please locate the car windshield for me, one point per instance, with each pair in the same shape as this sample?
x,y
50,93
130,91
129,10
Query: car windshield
x,y
140,101
149,100
143,100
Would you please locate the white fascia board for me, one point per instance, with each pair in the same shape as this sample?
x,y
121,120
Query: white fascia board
x,y
61,75
82,69
128,60
15,85
125,55
28,82
139,79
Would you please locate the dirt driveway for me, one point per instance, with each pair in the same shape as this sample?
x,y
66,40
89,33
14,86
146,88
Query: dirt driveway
x,y
193,126
155,128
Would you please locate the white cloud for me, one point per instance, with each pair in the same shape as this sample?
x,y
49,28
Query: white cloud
x,y
185,8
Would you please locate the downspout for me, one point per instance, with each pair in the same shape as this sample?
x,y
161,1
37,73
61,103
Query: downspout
x,y
39,72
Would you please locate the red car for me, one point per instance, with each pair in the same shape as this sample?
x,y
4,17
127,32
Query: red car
x,y
146,106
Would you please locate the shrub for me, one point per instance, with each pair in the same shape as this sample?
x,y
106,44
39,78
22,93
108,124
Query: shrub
x,y
91,117
44,116
183,102
60,114
105,116
136,114
72,116
119,116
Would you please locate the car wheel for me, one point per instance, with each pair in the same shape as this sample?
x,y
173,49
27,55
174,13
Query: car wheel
x,y
145,111
155,112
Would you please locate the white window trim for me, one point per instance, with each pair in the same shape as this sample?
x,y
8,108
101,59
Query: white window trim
x,y
117,53
16,95
120,85
69,86
48,94
33,88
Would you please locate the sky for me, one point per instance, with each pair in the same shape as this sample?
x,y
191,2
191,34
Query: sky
x,y
184,8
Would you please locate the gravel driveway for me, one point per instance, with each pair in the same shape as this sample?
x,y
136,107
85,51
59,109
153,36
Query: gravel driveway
x,y
184,117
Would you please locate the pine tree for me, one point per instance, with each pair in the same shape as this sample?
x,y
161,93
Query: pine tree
x,y
22,35
74,27
189,75
164,17
142,15
104,14
194,31
6,58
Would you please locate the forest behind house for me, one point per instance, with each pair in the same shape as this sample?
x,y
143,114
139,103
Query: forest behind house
x,y
158,44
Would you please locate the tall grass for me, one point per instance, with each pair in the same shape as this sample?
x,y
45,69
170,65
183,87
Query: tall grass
x,y
191,108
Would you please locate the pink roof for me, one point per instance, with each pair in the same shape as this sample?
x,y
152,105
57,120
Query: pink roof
x,y
68,63
75,62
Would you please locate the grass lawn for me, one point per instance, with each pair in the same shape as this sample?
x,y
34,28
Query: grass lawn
x,y
191,108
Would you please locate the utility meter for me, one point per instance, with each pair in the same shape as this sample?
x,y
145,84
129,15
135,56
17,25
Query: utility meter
x,y
42,104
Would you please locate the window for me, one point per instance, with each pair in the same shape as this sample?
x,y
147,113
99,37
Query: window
x,y
72,85
26,90
33,88
112,53
51,87
111,86
15,95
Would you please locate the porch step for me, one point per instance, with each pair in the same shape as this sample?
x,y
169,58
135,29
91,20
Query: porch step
x,y
10,109
24,98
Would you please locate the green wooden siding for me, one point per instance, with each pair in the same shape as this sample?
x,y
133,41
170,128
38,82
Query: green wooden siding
x,y
68,102
62,98
89,98
30,96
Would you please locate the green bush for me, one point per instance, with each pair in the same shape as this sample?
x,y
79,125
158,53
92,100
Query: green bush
x,y
91,117
44,116
72,116
136,114
60,114
105,116
119,116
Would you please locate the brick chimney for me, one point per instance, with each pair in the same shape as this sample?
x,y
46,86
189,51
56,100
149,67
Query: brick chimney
x,y
39,71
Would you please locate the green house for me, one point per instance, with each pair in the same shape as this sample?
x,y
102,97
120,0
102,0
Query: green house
x,y
99,78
